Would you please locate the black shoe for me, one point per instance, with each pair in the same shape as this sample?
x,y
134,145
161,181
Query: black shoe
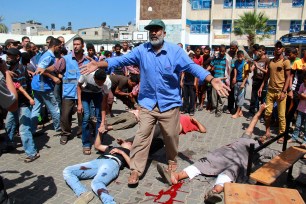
x,y
8,149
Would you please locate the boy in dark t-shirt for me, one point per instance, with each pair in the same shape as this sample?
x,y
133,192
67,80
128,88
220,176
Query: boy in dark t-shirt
x,y
189,85
260,68
103,170
22,116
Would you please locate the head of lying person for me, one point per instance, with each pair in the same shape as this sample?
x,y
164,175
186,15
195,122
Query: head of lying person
x,y
124,143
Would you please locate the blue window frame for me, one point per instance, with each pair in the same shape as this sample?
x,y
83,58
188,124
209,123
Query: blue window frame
x,y
267,3
295,26
228,4
297,3
199,27
273,24
226,26
245,3
200,4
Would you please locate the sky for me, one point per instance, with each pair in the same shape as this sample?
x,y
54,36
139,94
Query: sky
x,y
81,13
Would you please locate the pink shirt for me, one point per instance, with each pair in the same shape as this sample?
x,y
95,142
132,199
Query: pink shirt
x,y
302,104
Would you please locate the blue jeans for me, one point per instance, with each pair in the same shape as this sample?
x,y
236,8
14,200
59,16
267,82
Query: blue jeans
x,y
23,114
49,99
86,100
103,171
300,120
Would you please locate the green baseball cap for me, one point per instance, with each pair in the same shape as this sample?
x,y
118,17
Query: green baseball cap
x,y
154,23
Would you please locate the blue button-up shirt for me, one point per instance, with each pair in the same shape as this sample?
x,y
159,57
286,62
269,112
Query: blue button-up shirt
x,y
159,73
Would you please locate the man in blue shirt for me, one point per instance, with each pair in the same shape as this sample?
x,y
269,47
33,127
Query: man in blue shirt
x,y
160,66
43,86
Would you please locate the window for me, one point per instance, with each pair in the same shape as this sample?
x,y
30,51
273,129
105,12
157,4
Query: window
x,y
228,4
226,26
200,4
199,27
305,25
83,33
297,3
267,3
96,33
295,26
273,24
245,3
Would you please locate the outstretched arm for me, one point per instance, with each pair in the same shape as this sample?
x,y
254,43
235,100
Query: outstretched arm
x,y
201,127
98,143
254,121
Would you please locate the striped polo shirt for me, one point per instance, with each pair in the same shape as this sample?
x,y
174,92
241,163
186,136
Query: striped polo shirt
x,y
219,65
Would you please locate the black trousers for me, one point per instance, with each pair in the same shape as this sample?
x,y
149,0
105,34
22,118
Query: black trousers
x,y
189,99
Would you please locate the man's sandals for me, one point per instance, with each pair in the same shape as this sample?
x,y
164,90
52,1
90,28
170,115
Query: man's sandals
x,y
63,140
166,175
86,150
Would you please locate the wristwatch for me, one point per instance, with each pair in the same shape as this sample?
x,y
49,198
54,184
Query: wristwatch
x,y
289,89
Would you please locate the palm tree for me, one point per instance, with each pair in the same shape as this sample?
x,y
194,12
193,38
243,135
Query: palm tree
x,y
254,25
3,27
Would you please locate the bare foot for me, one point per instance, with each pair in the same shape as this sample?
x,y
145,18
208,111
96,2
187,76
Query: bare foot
x,y
235,116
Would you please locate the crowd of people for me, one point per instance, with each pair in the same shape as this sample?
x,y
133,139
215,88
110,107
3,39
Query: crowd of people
x,y
162,86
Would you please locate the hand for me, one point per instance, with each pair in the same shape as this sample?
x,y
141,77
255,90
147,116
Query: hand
x,y
102,129
263,107
56,80
234,81
182,84
80,108
242,86
39,71
32,102
115,151
290,94
303,67
90,67
281,96
259,92
221,88
130,95
13,74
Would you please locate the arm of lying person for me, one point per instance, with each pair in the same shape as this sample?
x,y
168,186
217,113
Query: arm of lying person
x,y
98,143
125,156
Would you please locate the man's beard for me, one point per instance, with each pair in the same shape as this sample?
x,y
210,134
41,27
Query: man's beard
x,y
158,42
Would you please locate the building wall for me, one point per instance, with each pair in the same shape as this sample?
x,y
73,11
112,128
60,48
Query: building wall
x,y
283,14
170,9
97,33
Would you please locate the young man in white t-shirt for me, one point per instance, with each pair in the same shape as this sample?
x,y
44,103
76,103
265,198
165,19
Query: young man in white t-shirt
x,y
91,87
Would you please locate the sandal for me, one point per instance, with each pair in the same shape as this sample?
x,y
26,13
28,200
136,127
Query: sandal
x,y
30,159
133,178
166,175
63,140
86,151
213,197
262,139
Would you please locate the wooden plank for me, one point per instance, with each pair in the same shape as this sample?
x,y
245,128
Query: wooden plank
x,y
269,172
235,193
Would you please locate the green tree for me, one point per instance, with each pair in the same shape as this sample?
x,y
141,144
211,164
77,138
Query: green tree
x,y
3,27
253,25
